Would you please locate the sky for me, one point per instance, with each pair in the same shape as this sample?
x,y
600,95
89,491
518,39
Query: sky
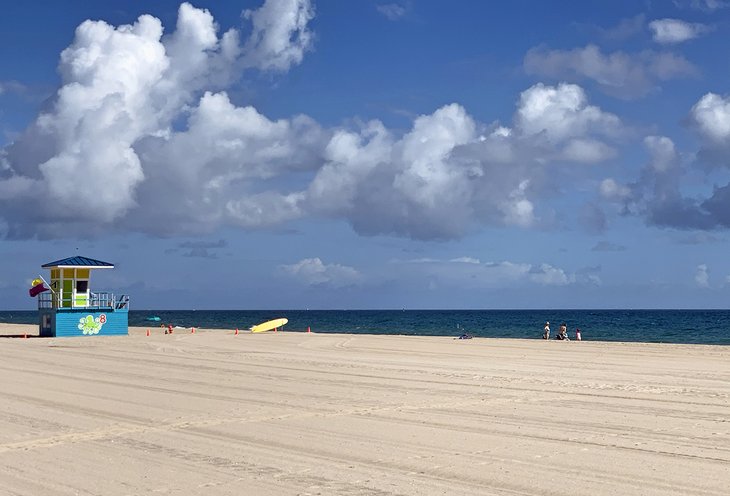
x,y
293,154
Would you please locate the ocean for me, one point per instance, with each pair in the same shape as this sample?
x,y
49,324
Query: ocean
x,y
649,326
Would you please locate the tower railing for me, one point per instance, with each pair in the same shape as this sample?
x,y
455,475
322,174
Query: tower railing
x,y
95,301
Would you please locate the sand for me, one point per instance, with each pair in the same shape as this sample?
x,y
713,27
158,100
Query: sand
x,y
335,414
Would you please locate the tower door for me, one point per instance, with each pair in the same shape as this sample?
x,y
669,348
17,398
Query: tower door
x,y
67,290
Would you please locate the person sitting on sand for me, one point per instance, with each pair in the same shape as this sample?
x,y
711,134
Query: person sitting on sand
x,y
563,333
546,331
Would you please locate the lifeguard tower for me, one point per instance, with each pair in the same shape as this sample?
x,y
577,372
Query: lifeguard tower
x,y
68,307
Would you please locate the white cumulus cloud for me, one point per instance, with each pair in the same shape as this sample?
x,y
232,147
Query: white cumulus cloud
x,y
612,190
620,74
702,276
122,87
657,194
469,272
143,136
703,5
588,151
561,112
280,34
664,154
392,11
711,116
548,275
447,173
670,31
313,272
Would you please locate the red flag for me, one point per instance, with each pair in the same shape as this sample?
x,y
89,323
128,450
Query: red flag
x,y
36,290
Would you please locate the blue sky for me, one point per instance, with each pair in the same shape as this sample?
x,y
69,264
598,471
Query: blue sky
x,y
370,154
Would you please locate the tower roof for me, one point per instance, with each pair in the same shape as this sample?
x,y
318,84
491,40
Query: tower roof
x,y
78,262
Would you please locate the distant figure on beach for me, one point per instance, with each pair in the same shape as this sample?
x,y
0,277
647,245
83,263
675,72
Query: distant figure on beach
x,y
563,333
546,331
577,334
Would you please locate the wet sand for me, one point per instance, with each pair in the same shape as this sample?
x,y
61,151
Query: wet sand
x,y
334,414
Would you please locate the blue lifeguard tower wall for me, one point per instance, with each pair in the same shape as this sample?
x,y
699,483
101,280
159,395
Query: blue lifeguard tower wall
x,y
70,308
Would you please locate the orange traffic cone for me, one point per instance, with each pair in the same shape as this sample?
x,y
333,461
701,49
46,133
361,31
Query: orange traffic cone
x,y
236,334
309,330
148,332
192,330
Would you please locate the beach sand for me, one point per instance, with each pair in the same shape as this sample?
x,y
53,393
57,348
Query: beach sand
x,y
333,414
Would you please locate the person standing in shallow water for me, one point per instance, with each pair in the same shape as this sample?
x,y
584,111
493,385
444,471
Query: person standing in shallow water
x,y
546,331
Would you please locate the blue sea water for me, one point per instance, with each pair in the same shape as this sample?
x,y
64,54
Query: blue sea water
x,y
652,326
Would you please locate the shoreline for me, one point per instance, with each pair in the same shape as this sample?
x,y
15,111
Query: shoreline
x,y
708,328
8,330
